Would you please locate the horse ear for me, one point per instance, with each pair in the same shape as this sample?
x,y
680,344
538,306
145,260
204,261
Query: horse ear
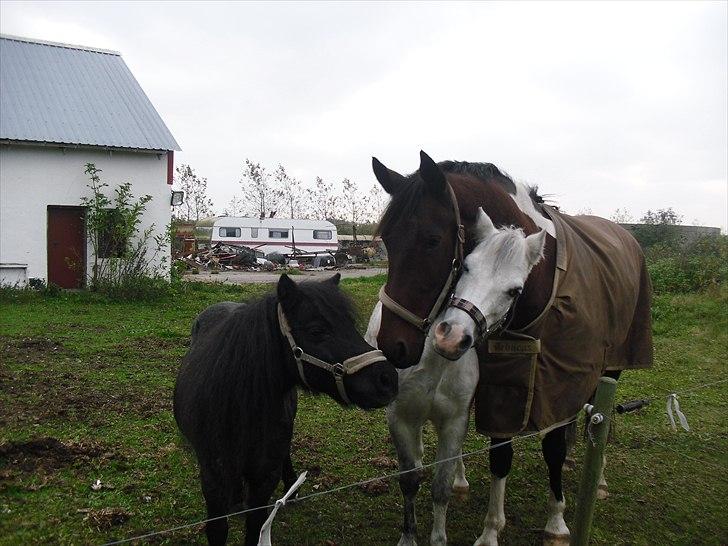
x,y
335,279
483,225
287,290
534,247
432,175
391,181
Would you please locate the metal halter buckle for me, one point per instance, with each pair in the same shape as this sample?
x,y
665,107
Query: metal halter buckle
x,y
297,353
338,369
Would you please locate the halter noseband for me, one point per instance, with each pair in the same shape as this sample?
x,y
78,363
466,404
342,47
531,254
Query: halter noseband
x,y
338,370
424,324
481,325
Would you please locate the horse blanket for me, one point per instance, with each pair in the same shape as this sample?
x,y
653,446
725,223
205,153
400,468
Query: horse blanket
x,y
597,319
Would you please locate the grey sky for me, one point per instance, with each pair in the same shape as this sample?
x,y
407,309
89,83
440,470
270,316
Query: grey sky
x,y
604,105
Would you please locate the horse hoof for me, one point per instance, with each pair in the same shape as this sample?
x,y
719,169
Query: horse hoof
x,y
569,464
461,493
602,492
549,539
407,540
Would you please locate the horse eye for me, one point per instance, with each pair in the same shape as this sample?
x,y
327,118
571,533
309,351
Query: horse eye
x,y
432,242
513,292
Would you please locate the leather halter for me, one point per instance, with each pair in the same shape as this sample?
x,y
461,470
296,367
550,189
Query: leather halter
x,y
338,370
424,324
481,325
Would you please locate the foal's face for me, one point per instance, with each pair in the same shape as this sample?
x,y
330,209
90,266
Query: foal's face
x,y
493,276
323,326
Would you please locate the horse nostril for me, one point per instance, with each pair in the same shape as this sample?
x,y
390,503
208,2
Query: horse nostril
x,y
466,342
400,351
443,329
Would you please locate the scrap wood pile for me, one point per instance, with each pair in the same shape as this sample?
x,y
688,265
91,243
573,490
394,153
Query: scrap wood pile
x,y
221,256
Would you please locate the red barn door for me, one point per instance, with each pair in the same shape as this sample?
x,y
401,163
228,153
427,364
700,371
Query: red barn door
x,y
66,246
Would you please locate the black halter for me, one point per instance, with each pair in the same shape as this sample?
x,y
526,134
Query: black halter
x,y
481,325
338,369
424,324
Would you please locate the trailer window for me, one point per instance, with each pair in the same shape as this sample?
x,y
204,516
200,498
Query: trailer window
x,y
254,232
322,234
229,232
278,233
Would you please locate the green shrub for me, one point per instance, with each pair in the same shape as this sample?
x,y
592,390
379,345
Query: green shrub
x,y
696,266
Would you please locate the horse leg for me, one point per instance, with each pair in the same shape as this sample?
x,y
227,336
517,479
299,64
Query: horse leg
x,y
408,443
571,433
289,474
450,437
260,491
501,458
216,499
460,485
553,446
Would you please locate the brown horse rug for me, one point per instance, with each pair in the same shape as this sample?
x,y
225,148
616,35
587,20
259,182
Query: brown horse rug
x,y
598,319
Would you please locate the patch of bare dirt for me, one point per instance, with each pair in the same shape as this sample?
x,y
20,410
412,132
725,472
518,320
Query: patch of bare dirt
x,y
375,487
48,454
106,518
383,461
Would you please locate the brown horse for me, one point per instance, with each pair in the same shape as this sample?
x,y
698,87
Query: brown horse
x,y
427,229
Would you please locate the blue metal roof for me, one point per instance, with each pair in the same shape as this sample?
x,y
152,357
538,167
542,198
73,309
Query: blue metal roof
x,y
66,94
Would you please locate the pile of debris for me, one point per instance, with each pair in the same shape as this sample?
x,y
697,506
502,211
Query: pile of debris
x,y
223,256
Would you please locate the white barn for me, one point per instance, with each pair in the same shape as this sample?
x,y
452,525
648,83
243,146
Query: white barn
x,y
62,106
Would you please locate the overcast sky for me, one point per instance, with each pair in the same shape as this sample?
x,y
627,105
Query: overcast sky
x,y
603,105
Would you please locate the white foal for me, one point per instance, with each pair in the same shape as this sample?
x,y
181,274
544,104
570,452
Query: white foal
x,y
438,390
493,276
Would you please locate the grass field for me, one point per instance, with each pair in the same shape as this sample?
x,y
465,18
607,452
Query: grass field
x,y
85,395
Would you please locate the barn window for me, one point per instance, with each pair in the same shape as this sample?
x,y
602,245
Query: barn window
x,y
322,234
112,239
254,232
229,232
278,233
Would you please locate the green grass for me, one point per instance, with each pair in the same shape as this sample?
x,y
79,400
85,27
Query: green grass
x,y
98,376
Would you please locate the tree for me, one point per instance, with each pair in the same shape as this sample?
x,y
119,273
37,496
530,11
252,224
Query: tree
x,y
621,216
258,196
289,192
354,204
376,202
235,207
662,217
196,204
323,199
658,227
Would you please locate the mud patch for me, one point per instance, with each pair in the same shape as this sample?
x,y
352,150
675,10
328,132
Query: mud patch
x,y
106,518
48,454
32,349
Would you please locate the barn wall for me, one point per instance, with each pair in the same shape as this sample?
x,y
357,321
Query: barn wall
x,y
31,178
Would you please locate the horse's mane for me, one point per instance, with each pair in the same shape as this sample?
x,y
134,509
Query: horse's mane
x,y
240,364
404,203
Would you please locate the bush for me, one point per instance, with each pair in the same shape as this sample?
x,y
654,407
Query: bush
x,y
696,266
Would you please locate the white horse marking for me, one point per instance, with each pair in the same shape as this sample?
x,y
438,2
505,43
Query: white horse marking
x,y
555,525
495,519
525,203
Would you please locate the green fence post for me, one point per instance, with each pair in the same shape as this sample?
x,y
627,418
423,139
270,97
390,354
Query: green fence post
x,y
600,419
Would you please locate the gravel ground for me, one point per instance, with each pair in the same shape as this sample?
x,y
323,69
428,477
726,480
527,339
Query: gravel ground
x,y
246,277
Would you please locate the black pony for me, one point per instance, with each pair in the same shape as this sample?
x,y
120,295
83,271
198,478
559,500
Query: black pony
x,y
235,396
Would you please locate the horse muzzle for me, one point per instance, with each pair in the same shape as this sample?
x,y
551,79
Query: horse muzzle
x,y
451,340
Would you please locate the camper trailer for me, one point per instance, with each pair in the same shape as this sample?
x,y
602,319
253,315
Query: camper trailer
x,y
267,235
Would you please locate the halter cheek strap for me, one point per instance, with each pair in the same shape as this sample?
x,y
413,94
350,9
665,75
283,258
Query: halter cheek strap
x,y
423,324
349,367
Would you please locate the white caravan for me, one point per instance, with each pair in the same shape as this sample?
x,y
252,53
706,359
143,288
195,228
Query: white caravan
x,y
268,235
